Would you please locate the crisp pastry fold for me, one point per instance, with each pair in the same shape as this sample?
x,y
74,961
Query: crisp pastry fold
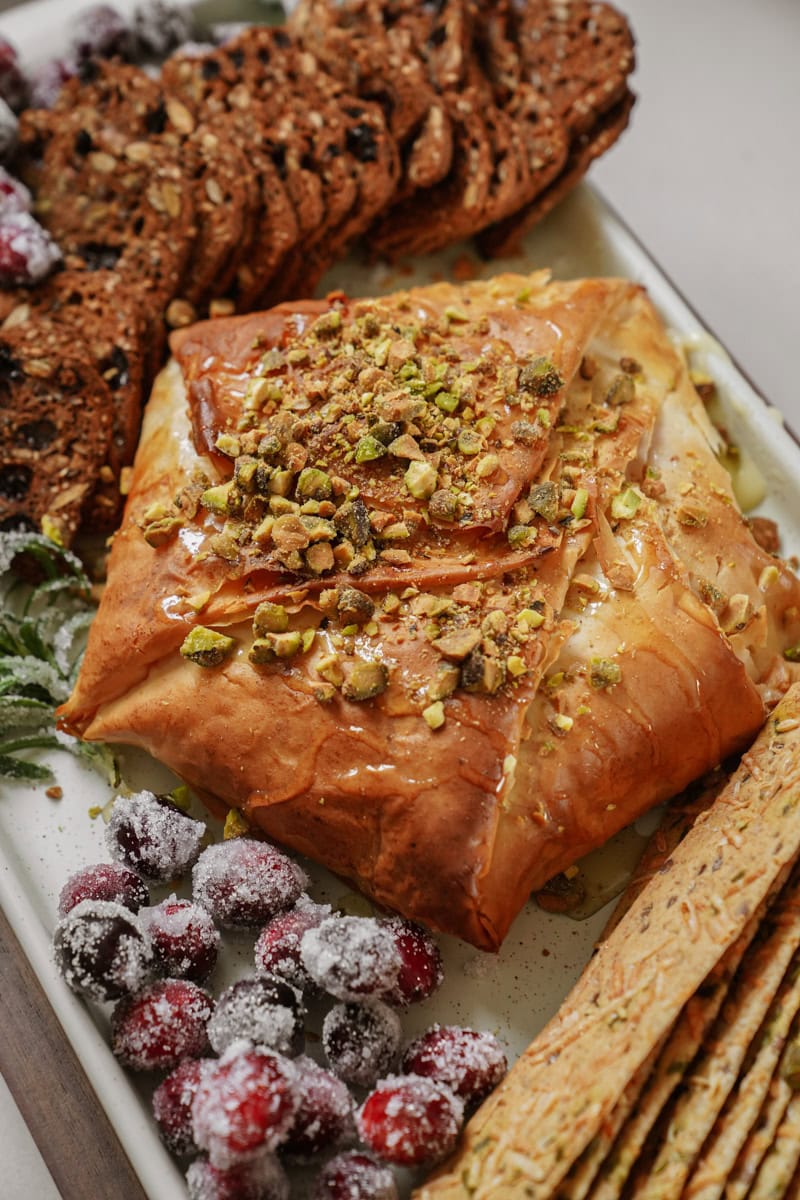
x,y
440,589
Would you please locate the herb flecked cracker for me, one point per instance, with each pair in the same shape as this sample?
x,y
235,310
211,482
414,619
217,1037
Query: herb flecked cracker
x,y
524,1140
762,1135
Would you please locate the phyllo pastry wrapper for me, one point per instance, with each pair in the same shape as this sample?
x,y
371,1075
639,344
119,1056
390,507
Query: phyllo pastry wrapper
x,y
440,589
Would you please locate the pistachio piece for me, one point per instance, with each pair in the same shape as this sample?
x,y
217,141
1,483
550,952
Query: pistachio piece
x,y
543,499
228,444
354,606
158,533
275,645
313,484
456,646
270,618
289,533
447,401
579,502
443,505
280,483
368,448
621,390
604,672
330,669
351,519
515,665
541,377
470,442
420,479
529,618
216,498
625,505
487,466
319,558
482,673
365,680
385,431
444,683
406,446
206,647
521,536
525,432
434,715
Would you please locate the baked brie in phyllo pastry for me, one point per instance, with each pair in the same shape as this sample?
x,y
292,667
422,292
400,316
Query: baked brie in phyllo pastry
x,y
440,589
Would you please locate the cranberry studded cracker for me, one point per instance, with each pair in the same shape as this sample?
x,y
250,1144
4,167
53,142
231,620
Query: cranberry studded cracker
x,y
55,427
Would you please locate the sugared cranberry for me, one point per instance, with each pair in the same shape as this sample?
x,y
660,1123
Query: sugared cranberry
x,y
27,252
244,1105
264,1179
278,945
185,939
421,971
100,31
48,79
265,1012
410,1120
151,835
355,1175
13,85
101,950
161,1025
158,28
172,1105
324,1117
352,958
469,1062
243,882
361,1041
104,881
9,128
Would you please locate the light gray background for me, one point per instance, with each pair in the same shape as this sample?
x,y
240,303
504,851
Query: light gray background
x,y
708,176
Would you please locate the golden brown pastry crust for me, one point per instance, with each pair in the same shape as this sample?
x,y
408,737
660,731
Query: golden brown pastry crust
x,y
454,825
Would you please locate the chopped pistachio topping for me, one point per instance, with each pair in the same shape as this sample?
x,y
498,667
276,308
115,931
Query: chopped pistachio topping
x,y
420,479
626,504
236,825
206,647
604,672
270,618
368,449
541,377
578,506
530,618
543,499
365,680
355,606
434,715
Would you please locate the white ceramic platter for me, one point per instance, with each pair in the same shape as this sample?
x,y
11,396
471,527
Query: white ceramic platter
x,y
42,841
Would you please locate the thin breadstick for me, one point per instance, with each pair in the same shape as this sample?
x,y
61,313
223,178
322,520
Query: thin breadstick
x,y
556,1098
781,1161
763,1133
744,1105
715,1071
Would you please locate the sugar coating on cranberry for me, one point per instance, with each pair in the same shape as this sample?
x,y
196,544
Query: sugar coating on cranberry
x,y
421,971
244,1105
151,835
410,1120
352,958
265,1012
324,1118
470,1062
103,881
244,882
48,79
161,1025
9,128
13,84
100,31
361,1041
264,1179
278,947
172,1105
158,27
27,252
355,1175
184,937
102,951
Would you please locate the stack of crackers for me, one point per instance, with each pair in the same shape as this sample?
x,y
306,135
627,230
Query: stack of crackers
x,y
237,177
672,1069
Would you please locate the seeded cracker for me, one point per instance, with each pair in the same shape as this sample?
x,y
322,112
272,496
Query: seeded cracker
x,y
567,1082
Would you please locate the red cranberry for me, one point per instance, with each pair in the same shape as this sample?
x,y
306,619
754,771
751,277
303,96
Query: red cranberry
x,y
355,1175
361,1041
243,882
470,1063
410,1120
352,958
161,1025
278,945
102,32
185,939
27,252
13,85
421,971
244,1105
264,1179
48,79
172,1105
265,1012
151,835
158,27
324,1117
101,950
105,881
